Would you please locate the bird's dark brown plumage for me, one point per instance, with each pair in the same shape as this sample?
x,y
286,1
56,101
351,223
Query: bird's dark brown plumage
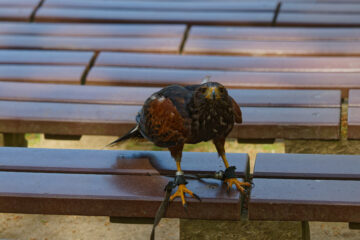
x,y
177,115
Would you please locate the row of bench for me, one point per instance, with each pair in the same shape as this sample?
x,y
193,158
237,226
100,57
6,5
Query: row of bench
x,y
232,13
290,187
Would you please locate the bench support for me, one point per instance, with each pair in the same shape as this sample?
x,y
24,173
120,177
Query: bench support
x,y
14,140
231,230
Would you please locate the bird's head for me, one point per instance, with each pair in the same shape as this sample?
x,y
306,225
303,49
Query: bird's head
x,y
211,91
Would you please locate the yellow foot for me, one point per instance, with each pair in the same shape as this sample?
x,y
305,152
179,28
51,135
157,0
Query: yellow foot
x,y
238,184
180,192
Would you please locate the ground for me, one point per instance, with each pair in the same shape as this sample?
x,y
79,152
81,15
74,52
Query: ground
x,y
45,227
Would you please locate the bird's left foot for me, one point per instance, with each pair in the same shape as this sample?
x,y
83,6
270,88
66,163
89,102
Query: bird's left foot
x,y
181,182
230,179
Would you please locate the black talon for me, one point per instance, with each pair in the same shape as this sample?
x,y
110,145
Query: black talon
x,y
197,197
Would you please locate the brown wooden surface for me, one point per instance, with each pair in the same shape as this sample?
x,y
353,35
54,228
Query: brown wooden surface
x,y
276,34
271,48
99,119
41,73
137,95
113,195
166,45
93,30
110,179
115,162
243,63
44,57
15,14
307,166
117,76
305,200
168,6
318,20
354,114
49,14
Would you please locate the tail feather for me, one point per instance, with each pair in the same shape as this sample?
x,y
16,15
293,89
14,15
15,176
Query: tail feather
x,y
132,134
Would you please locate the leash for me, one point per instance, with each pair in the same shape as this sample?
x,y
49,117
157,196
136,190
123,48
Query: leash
x,y
161,212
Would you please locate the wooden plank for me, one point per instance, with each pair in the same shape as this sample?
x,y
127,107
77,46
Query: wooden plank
x,y
114,162
243,63
165,45
354,98
98,119
19,3
137,95
47,14
93,30
271,48
269,6
353,123
15,14
305,200
44,57
275,34
41,73
260,80
113,195
306,7
307,166
319,20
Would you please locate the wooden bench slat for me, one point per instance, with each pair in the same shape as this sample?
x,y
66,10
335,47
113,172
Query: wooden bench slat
x,y
137,95
306,7
353,120
19,3
271,48
93,30
44,57
46,14
307,166
70,119
15,14
317,19
114,162
113,195
275,34
116,76
159,5
169,45
244,63
305,200
41,73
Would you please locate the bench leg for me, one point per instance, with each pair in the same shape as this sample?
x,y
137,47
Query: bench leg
x,y
14,140
234,230
305,230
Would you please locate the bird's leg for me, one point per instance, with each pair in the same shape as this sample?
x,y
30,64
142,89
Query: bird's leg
x,y
180,180
229,174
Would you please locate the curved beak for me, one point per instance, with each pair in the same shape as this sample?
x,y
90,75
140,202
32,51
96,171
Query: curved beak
x,y
212,93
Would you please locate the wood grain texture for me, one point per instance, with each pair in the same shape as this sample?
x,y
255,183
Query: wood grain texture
x,y
260,80
41,73
169,6
44,57
15,14
319,20
137,95
99,119
113,195
305,200
307,166
275,34
93,30
114,162
168,45
48,14
271,48
243,63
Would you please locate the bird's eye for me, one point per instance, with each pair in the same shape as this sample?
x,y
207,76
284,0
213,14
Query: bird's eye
x,y
203,90
221,89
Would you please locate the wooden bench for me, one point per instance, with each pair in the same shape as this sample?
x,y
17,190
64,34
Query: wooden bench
x,y
232,13
123,184
17,10
306,187
99,110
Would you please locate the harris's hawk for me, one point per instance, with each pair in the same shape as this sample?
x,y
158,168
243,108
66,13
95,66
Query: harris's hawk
x,y
176,115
